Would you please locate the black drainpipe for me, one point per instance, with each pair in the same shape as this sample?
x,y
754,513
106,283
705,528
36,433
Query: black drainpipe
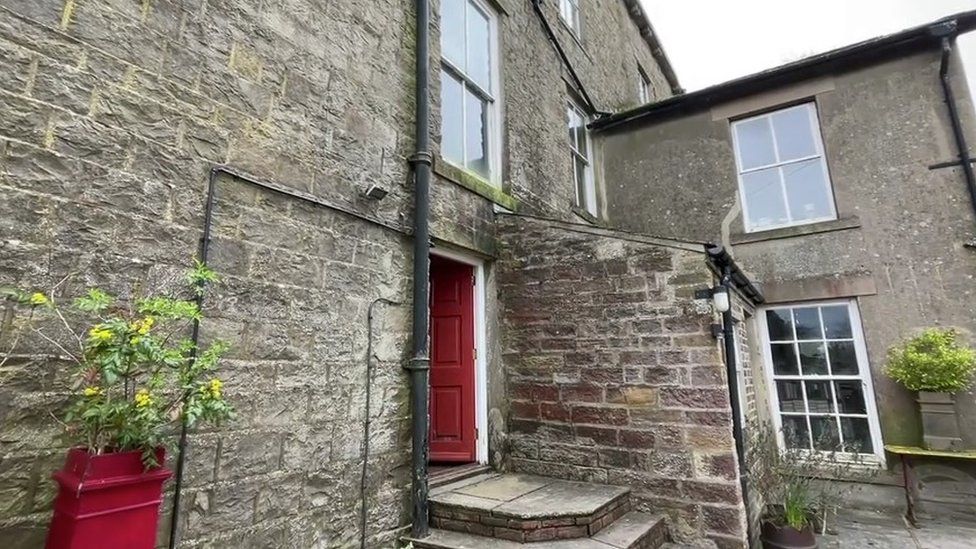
x,y
947,31
419,365
732,278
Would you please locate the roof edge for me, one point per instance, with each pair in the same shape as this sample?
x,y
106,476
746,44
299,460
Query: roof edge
x,y
895,45
657,50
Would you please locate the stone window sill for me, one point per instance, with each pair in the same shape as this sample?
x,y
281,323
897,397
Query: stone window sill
x,y
474,183
844,223
585,215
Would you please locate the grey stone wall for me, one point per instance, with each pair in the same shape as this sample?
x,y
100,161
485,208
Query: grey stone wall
x,y
899,246
112,113
613,375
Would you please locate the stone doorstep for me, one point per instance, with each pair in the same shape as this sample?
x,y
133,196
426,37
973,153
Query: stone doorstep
x,y
528,508
634,530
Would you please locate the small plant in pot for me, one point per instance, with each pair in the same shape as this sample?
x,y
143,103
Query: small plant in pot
x,y
937,366
794,484
138,377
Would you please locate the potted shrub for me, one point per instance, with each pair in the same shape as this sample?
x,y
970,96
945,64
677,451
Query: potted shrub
x,y
935,365
795,486
138,377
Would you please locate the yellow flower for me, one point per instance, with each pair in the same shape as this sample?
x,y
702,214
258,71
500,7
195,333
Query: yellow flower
x,y
143,326
92,391
143,399
100,334
37,298
215,387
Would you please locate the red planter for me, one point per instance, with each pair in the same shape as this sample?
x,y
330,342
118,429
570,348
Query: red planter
x,y
106,501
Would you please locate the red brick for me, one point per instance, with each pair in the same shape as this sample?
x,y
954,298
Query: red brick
x,y
526,390
555,412
600,415
581,393
525,410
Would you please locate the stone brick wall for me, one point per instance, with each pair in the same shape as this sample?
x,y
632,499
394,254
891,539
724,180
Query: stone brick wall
x,y
112,113
613,374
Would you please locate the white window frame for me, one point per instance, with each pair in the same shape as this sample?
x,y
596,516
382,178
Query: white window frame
x,y
812,112
644,86
492,97
585,193
569,11
864,376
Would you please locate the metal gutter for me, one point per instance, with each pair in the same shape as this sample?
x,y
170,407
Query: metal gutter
x,y
863,53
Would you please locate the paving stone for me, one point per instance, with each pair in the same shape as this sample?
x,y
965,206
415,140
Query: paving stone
x,y
506,487
562,498
629,529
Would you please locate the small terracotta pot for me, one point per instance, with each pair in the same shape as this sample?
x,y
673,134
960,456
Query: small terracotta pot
x,y
787,537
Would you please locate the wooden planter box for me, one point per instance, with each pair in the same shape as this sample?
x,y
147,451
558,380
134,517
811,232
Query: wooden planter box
x,y
940,426
106,501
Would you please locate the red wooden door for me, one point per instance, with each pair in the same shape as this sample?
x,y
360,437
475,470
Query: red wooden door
x,y
452,430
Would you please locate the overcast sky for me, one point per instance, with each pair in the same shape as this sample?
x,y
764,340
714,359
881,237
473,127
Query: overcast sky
x,y
711,41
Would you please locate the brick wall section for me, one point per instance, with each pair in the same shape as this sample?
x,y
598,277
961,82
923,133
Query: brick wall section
x,y
613,376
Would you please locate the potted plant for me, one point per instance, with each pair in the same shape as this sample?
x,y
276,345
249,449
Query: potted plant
x,y
936,365
138,376
795,485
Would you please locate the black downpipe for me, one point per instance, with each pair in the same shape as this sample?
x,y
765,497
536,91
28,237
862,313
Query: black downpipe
x,y
202,257
419,365
537,6
367,422
957,131
735,399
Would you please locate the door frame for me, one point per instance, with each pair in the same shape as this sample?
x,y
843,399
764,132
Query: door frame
x,y
480,338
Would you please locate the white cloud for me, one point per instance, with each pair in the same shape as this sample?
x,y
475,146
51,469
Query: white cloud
x,y
711,41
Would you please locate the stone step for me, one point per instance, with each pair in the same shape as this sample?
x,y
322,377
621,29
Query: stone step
x,y
527,508
635,530
455,474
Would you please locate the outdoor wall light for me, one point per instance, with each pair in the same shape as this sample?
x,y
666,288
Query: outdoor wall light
x,y
376,192
719,295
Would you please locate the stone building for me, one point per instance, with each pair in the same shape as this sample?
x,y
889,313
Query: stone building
x,y
869,232
584,353
569,340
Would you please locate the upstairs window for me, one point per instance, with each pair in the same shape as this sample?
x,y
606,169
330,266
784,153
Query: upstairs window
x,y
581,153
569,10
783,177
469,82
644,90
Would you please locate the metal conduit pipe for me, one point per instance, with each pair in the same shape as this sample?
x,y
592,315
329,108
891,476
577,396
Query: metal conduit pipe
x,y
419,365
947,31
203,256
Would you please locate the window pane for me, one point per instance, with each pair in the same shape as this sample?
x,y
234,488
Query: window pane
x,y
795,432
573,122
780,324
837,322
478,68
843,359
579,172
819,399
794,135
813,358
790,396
755,143
452,140
824,431
807,190
850,397
807,321
784,359
764,198
476,133
857,435
452,31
